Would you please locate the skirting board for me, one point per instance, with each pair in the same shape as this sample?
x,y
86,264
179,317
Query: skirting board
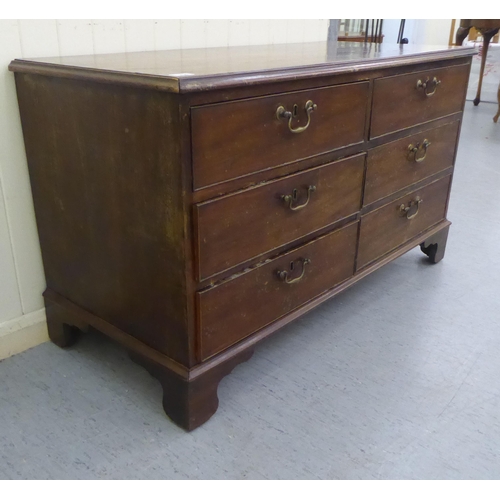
x,y
22,333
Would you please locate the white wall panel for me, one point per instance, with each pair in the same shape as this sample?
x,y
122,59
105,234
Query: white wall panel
x,y
259,31
39,37
75,37
15,38
422,31
436,31
193,33
277,31
294,31
239,32
10,301
167,34
315,30
109,36
217,32
139,35
19,204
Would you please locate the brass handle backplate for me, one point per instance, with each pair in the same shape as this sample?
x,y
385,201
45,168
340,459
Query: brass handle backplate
x,y
290,199
284,275
411,210
425,85
282,113
415,152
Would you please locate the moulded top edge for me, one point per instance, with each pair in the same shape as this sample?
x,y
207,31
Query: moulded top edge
x,y
187,70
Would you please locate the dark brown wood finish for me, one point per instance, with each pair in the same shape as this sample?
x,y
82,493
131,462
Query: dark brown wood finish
x,y
316,80
401,163
158,194
201,70
63,327
235,309
237,227
399,103
251,180
191,402
234,139
69,313
106,174
405,191
390,226
435,246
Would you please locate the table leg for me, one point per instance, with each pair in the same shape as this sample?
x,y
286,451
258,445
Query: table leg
x,y
461,35
487,36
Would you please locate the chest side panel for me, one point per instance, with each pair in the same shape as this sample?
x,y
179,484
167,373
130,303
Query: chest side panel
x,y
105,170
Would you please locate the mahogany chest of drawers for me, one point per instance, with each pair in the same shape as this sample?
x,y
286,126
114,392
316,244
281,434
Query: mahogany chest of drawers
x,y
190,203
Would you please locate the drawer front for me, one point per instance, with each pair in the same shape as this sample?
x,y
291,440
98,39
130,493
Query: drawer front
x,y
406,161
399,103
237,308
390,226
238,138
238,227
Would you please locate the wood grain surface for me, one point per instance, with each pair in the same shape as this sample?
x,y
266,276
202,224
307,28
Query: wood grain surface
x,y
234,139
398,103
238,227
386,228
239,307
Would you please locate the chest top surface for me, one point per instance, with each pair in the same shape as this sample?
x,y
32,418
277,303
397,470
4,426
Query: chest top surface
x,y
190,70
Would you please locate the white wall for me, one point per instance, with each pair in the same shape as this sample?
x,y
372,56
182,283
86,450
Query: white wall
x,y
21,274
432,31
419,31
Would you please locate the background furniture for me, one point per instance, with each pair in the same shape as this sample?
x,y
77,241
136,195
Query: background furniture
x,y
190,203
488,28
361,30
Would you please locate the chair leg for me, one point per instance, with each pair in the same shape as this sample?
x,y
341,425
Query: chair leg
x,y
495,118
461,35
487,36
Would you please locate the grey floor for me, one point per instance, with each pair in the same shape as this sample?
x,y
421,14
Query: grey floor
x,y
398,377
